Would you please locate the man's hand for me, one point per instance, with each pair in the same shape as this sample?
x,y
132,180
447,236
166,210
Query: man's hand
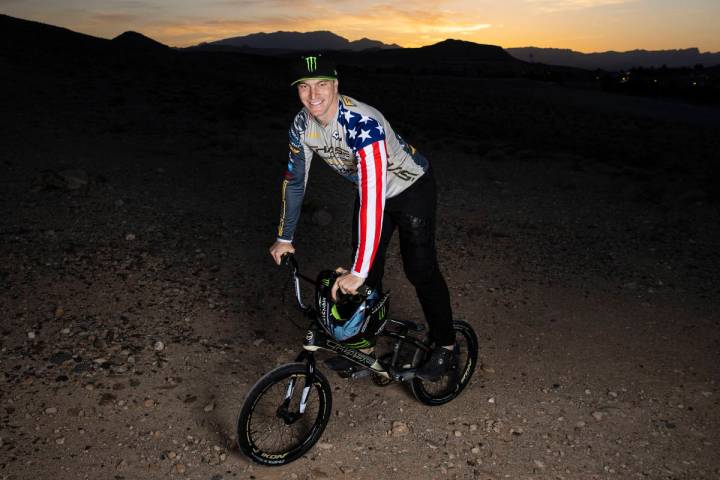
x,y
279,249
346,283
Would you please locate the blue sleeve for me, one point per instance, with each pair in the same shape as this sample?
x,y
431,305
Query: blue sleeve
x,y
293,186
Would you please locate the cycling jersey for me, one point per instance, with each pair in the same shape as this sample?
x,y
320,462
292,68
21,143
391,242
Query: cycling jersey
x,y
360,145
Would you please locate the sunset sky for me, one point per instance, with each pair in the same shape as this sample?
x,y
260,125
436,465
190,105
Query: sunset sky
x,y
584,25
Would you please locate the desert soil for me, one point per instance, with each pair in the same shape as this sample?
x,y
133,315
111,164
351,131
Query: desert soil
x,y
140,304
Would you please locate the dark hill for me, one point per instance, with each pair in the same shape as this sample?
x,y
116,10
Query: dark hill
x,y
466,50
20,38
319,40
137,41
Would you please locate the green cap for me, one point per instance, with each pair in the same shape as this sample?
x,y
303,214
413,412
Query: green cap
x,y
313,66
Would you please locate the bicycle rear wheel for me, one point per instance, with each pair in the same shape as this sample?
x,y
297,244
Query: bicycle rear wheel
x,y
458,375
284,415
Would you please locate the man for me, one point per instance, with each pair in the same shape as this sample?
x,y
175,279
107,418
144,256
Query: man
x,y
396,188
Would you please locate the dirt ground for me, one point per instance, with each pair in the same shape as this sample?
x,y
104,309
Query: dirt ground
x,y
140,304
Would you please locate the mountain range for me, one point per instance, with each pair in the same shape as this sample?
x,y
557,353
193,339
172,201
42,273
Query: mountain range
x,y
319,40
286,42
614,61
457,55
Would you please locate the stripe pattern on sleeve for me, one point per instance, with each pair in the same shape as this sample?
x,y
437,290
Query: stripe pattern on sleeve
x,y
367,138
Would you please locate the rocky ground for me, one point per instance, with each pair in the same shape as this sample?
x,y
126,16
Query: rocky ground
x,y
141,305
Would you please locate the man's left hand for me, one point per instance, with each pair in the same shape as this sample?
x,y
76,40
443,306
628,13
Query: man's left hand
x,y
346,283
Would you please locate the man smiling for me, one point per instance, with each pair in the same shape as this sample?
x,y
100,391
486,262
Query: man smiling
x,y
396,188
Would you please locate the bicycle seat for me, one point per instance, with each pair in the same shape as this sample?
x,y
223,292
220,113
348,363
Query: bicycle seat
x,y
415,327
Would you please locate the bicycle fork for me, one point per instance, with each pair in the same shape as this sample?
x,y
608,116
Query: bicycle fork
x,y
283,410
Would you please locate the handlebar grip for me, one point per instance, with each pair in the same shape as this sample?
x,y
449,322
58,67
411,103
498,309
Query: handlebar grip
x,y
362,293
288,260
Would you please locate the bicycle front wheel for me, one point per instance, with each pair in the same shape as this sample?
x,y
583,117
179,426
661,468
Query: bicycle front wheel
x,y
458,375
284,415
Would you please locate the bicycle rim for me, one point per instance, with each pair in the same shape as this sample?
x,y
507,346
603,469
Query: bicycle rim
x,y
458,376
271,428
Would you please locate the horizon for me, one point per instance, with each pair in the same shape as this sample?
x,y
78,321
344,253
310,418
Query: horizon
x,y
560,24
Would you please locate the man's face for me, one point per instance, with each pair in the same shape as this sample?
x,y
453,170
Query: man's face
x,y
320,98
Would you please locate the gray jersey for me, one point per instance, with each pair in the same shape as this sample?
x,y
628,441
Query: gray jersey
x,y
360,145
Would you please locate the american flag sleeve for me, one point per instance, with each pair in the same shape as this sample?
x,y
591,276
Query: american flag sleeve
x,y
372,184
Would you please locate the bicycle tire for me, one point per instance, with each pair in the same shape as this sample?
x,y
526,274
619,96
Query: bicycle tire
x,y
456,379
268,438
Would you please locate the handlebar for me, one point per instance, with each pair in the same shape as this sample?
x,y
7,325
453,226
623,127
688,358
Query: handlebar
x,y
288,259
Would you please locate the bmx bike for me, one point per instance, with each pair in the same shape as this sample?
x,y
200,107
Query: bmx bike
x,y
287,410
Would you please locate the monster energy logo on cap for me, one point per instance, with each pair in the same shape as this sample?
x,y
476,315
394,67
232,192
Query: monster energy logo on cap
x,y
311,63
313,66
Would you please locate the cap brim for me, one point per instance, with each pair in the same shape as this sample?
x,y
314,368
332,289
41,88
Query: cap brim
x,y
312,78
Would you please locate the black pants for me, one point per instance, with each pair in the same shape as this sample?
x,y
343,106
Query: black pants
x,y
413,213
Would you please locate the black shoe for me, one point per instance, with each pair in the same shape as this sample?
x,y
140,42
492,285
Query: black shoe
x,y
437,365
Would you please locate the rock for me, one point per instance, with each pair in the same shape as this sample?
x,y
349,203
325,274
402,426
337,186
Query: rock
x,y
51,411
598,415
59,312
475,450
399,429
209,407
180,468
107,399
159,346
31,335
60,441
130,237
325,446
258,342
149,403
473,427
74,178
491,400
317,473
539,464
458,433
58,358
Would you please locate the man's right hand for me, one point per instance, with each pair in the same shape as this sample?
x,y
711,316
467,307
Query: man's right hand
x,y
278,249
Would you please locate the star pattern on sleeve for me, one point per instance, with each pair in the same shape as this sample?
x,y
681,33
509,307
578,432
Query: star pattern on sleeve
x,y
364,134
